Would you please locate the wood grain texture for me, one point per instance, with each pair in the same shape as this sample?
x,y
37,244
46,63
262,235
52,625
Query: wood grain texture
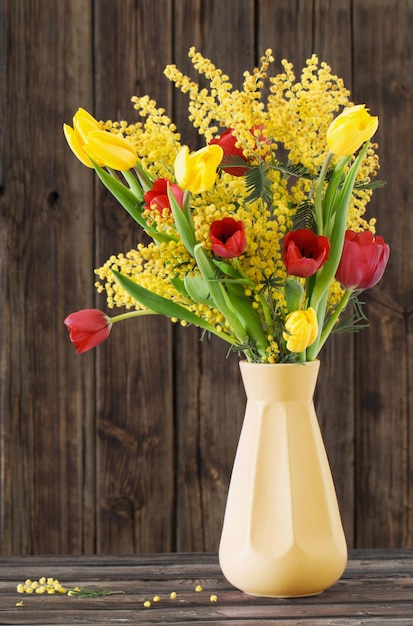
x,y
375,590
383,359
135,420
130,448
47,481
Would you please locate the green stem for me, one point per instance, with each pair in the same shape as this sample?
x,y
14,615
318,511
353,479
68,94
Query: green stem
x,y
333,319
144,178
318,199
263,301
129,314
124,316
267,313
134,185
329,203
320,310
236,263
326,273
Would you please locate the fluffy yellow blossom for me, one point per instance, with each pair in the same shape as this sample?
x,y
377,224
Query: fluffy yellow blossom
x,y
272,110
44,585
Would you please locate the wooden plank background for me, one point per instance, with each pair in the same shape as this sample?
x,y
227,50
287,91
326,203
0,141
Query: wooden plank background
x,y
129,448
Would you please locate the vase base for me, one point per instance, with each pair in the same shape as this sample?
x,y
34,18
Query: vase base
x,y
284,596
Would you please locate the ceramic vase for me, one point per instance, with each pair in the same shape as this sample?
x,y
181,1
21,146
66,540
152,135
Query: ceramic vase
x,y
282,534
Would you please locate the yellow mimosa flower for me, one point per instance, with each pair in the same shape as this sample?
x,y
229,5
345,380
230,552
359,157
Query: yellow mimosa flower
x,y
110,150
83,124
197,172
350,130
301,329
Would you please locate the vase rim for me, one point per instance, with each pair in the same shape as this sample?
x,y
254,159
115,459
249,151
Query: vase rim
x,y
244,362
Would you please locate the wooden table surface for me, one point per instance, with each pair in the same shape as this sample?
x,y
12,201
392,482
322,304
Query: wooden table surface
x,y
377,588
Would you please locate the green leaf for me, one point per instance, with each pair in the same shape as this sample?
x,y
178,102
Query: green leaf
x,y
179,285
145,180
226,268
183,224
294,169
166,307
85,592
294,293
217,291
326,273
197,288
355,321
232,160
248,316
134,185
374,184
304,216
130,202
258,184
123,195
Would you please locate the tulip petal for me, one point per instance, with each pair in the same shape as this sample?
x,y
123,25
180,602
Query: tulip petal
x,y
88,328
353,127
197,172
84,123
301,330
76,145
363,260
110,150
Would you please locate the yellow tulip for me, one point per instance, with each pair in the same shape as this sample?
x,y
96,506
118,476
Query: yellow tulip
x,y
110,150
301,329
197,172
350,130
88,139
83,124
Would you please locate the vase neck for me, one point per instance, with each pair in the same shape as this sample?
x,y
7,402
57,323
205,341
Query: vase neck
x,y
282,382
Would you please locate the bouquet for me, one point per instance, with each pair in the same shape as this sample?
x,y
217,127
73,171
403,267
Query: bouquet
x,y
259,237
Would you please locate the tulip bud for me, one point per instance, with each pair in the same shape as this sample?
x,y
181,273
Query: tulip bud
x,y
294,293
228,142
88,328
197,172
350,130
363,260
157,197
83,123
304,252
228,238
301,329
110,150
88,139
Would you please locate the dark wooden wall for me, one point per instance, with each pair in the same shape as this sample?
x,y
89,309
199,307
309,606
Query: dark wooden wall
x,y
129,448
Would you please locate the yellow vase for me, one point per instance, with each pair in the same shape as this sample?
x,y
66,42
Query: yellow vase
x,y
282,534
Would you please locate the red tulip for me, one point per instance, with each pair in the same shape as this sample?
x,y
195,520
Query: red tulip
x,y
228,238
88,328
227,142
157,197
363,260
304,252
